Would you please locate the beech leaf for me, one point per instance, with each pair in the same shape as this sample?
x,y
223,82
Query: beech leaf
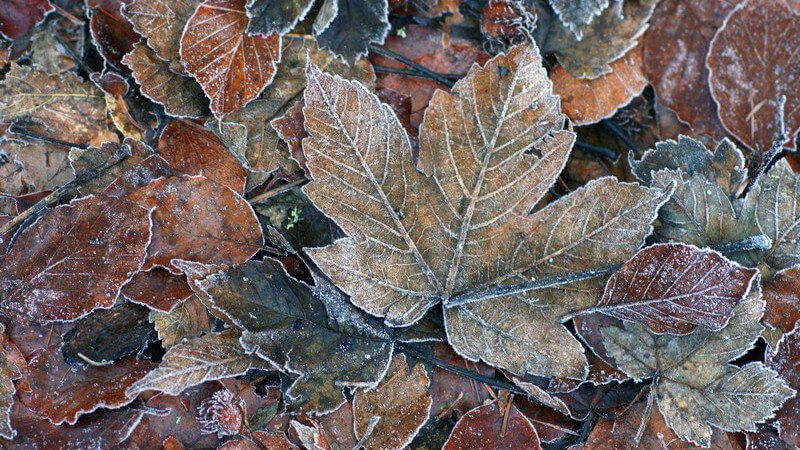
x,y
232,68
483,428
275,16
158,289
188,320
695,385
162,23
782,294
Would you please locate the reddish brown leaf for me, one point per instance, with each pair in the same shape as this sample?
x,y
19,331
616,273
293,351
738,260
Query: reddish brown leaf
x,y
194,150
188,320
550,425
260,440
290,129
232,67
675,49
786,361
752,63
112,34
674,288
196,219
451,391
782,294
337,427
18,17
139,175
62,394
589,101
157,289
483,427
74,259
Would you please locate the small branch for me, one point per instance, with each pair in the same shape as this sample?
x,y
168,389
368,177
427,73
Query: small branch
x,y
598,151
94,363
757,242
71,53
16,129
402,59
621,135
499,384
278,190
414,73
60,191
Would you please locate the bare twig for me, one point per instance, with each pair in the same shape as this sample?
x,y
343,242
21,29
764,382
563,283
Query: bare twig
x,y
598,151
414,73
16,129
278,190
621,135
402,59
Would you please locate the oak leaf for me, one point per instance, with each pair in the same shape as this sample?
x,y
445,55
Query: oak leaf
x,y
232,68
751,65
74,259
275,16
349,27
694,384
162,23
401,401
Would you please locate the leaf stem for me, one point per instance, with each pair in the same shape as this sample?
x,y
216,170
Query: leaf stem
x,y
278,190
402,59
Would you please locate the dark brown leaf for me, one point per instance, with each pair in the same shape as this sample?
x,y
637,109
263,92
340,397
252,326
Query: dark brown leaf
x,y
483,427
782,294
18,17
786,361
112,34
158,289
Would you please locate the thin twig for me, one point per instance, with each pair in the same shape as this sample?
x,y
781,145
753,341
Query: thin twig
x,y
414,73
94,363
16,129
647,411
598,151
278,190
402,59
621,135
71,53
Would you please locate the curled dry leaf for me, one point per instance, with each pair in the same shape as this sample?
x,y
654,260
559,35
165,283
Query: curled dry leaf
x,y
180,95
83,161
232,67
782,294
194,150
207,358
112,33
62,394
401,401
18,17
575,14
158,289
162,23
488,427
417,237
786,361
188,320
74,259
610,35
589,101
695,386
675,49
675,288
275,16
196,219
752,63
291,325
62,107
349,27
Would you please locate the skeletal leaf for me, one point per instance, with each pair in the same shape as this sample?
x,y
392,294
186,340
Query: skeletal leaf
x,y
696,386
188,320
232,68
674,288
18,17
483,427
162,23
181,96
93,158
606,39
348,27
751,64
57,106
401,401
210,357
786,361
574,14
292,325
275,16
74,259
589,101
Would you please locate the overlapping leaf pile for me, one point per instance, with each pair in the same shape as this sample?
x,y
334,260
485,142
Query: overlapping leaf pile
x,y
223,226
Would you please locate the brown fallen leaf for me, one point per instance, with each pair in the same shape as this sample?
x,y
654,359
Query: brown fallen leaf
x,y
232,67
196,219
83,161
33,166
453,392
158,289
260,440
112,33
194,150
18,17
752,63
782,294
74,259
786,361
188,320
162,23
62,394
139,175
589,101
675,49
490,427
12,367
291,130
401,401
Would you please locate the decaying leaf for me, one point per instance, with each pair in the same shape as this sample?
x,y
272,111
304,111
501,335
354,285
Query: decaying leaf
x,y
752,63
232,67
158,289
487,427
291,325
33,166
12,364
207,358
675,288
74,259
196,219
275,16
112,34
18,17
401,401
62,394
675,49
188,320
83,161
62,107
349,27
782,295
607,38
589,101
492,148
694,384
786,361
162,23
261,440
575,14
181,96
